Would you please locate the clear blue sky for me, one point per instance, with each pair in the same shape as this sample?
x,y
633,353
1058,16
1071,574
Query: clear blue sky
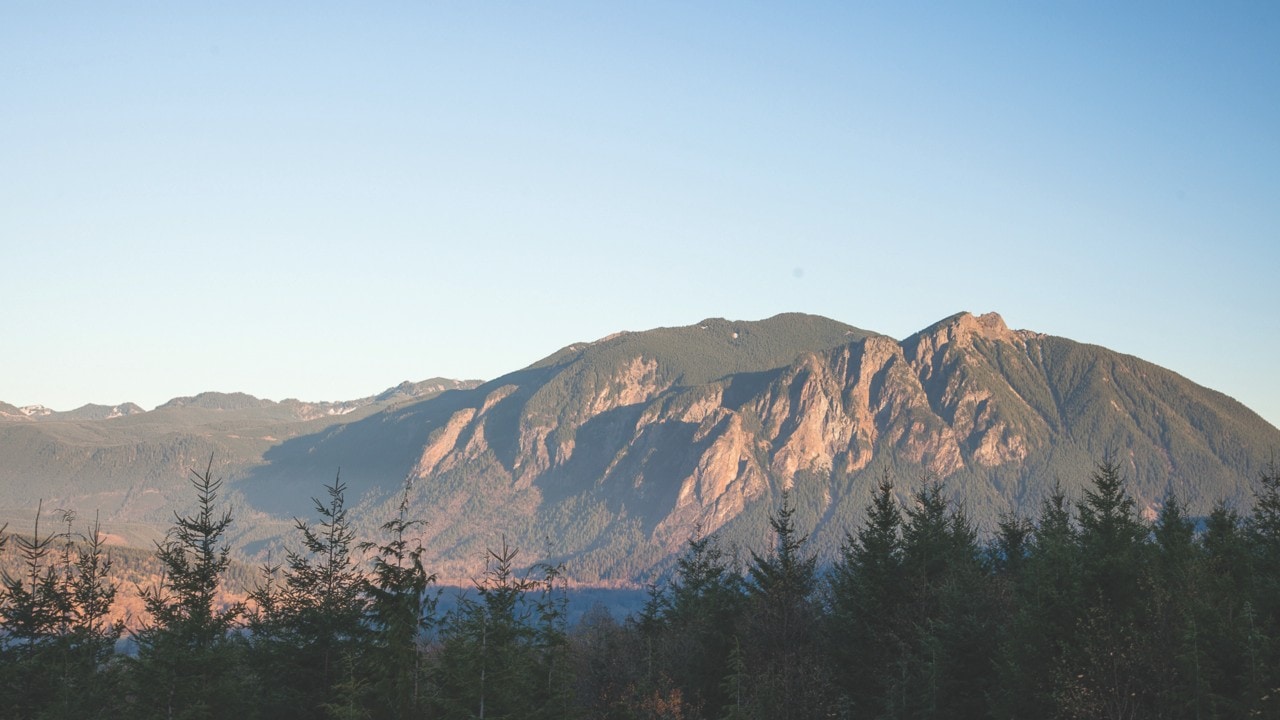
x,y
320,200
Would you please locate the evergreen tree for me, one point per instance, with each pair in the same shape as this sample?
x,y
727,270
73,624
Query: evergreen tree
x,y
607,665
781,622
554,696
187,662
303,629
737,689
1011,548
654,693
1263,535
1110,677
1263,527
53,628
1176,608
400,611
866,590
88,687
33,609
503,655
34,604
945,670
1112,540
1232,666
1036,640
706,598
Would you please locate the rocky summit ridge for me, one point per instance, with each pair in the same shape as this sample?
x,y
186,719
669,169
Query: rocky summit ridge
x,y
609,455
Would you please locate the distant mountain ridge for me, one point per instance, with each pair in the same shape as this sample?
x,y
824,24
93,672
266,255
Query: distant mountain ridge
x,y
132,465
608,455
238,401
84,412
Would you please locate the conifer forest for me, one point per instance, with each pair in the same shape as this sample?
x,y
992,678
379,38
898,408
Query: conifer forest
x,y
1083,610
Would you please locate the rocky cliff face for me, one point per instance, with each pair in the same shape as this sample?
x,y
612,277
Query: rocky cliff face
x,y
622,460
829,411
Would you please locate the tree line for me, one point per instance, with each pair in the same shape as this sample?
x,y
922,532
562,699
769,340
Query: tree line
x,y
1084,611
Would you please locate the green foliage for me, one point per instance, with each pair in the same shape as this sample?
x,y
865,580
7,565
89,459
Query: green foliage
x,y
399,611
1176,617
505,653
607,660
781,624
55,637
1107,673
1046,604
783,580
691,626
943,628
1263,537
1111,536
867,586
310,628
186,661
1084,611
715,348
35,602
737,688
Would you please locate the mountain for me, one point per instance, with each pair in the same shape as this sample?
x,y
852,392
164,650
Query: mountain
x,y
85,412
11,412
608,455
132,466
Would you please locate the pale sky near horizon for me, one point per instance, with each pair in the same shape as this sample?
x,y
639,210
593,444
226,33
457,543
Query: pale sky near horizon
x,y
320,200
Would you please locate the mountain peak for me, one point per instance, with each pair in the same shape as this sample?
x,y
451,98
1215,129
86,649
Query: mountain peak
x,y
424,388
959,331
94,411
217,401
992,322
989,325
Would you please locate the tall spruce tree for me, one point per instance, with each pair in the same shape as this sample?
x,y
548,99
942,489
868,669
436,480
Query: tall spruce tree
x,y
608,661
400,612
553,665
1035,641
303,629
1110,677
89,682
34,604
1234,664
1263,535
1175,618
187,661
504,653
55,637
1011,545
654,693
706,599
32,612
946,670
1112,540
866,591
780,639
